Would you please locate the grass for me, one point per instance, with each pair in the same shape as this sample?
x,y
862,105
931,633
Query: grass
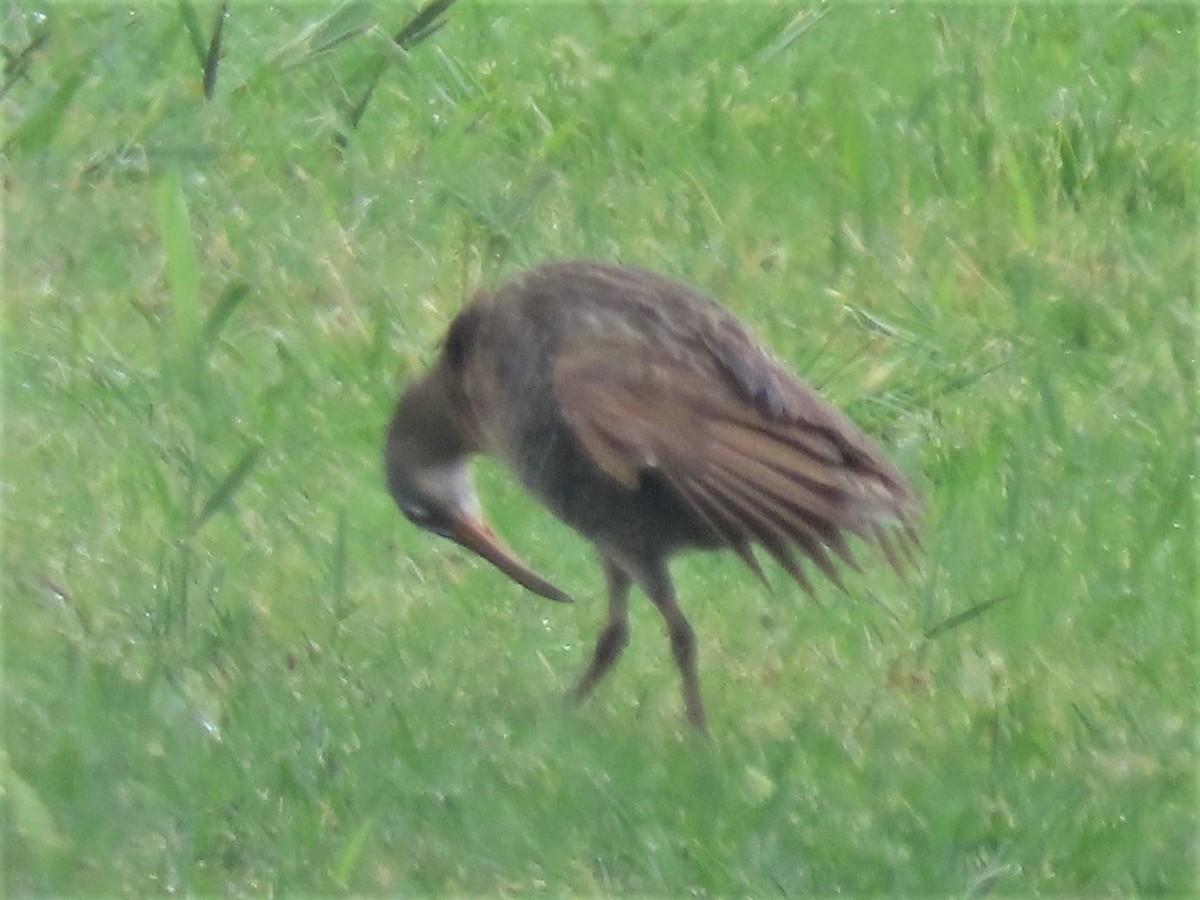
x,y
229,665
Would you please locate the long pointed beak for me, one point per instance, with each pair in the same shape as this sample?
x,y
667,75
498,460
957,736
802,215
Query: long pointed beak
x,y
476,536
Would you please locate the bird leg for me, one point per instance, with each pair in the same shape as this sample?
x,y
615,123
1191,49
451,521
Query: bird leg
x,y
613,637
683,644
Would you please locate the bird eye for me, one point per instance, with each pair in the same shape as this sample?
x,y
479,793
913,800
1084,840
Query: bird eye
x,y
416,513
424,517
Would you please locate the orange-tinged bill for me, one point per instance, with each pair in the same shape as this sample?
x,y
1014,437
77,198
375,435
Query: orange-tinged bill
x,y
477,537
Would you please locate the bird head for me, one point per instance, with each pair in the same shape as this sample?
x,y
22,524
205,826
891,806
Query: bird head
x,y
427,458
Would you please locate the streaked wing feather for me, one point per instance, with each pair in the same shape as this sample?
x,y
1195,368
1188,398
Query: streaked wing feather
x,y
798,484
824,512
759,524
715,514
755,504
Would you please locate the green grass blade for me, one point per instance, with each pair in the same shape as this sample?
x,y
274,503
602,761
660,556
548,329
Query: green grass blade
x,y
347,21
352,854
212,58
423,24
800,25
37,130
16,65
852,135
183,275
191,24
853,141
1021,195
965,616
227,487
341,608
30,818
355,113
231,298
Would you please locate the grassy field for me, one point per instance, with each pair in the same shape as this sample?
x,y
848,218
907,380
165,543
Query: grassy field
x,y
231,667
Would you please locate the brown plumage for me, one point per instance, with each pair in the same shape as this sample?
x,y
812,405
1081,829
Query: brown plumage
x,y
646,417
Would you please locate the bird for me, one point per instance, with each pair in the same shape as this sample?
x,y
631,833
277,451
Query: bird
x,y
646,417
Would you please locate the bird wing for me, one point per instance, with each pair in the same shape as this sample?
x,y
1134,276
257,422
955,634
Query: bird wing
x,y
797,482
